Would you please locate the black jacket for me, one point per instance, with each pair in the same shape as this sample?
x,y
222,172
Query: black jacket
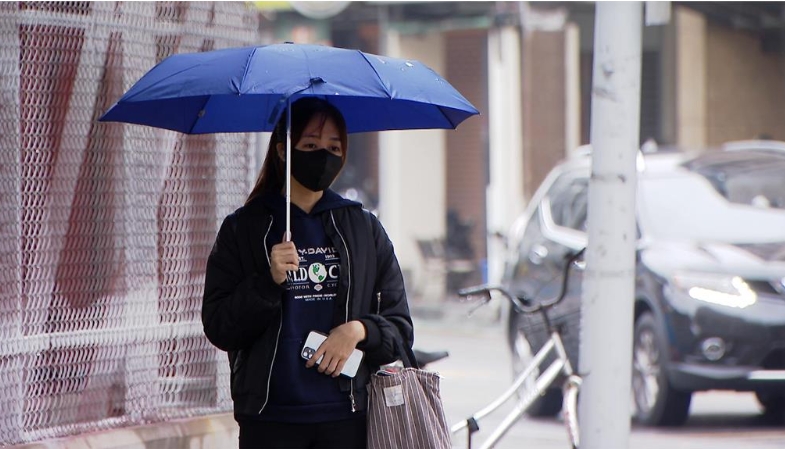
x,y
241,308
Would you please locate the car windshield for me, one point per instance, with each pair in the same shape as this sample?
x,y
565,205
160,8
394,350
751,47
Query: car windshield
x,y
722,201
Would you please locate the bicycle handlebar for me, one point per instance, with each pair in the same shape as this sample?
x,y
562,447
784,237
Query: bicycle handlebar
x,y
519,304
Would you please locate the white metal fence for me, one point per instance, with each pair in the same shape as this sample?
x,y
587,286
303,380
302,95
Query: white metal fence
x,y
105,228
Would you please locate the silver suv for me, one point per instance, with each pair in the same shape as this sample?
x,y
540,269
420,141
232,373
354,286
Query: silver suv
x,y
710,287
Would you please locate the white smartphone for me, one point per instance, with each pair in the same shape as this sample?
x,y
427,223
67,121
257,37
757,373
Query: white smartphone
x,y
313,342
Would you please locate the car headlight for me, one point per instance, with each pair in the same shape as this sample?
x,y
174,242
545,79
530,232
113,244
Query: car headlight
x,y
722,289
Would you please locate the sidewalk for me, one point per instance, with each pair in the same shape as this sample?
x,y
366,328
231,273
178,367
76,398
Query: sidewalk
x,y
220,431
203,432
458,311
477,369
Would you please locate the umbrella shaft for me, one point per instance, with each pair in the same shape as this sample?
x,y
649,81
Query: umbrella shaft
x,y
288,234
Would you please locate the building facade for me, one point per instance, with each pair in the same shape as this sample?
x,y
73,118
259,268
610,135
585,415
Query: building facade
x,y
713,72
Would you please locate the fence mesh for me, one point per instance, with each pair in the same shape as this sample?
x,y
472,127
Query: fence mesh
x,y
105,228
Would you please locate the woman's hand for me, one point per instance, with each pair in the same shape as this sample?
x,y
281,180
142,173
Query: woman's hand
x,y
283,258
337,348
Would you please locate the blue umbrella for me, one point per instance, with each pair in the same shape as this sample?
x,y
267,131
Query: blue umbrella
x,y
246,89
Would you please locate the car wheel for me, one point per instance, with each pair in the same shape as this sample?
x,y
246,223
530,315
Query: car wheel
x,y
773,403
550,403
656,402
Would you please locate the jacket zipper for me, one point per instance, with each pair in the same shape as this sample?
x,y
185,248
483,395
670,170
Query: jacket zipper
x,y
280,326
378,303
348,295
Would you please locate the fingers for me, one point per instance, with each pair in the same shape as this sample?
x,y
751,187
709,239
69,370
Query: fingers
x,y
332,362
335,370
331,367
285,250
283,258
319,354
312,361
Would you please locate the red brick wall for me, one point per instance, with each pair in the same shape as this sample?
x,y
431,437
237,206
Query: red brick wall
x,y
543,105
467,147
745,87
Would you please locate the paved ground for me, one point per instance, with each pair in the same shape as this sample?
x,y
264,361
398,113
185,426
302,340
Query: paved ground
x,y
478,369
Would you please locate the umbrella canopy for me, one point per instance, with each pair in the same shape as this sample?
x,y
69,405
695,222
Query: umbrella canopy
x,y
246,89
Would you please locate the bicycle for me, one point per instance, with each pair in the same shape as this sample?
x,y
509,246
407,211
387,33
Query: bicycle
x,y
561,365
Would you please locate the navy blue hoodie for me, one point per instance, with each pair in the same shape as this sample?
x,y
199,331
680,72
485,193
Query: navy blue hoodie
x,y
299,394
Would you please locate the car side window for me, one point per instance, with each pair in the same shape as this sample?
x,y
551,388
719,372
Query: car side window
x,y
531,237
569,199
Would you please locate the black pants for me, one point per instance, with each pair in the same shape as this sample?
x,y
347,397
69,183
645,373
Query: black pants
x,y
348,434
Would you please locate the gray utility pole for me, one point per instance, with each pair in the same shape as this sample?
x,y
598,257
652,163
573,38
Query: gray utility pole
x,y
608,286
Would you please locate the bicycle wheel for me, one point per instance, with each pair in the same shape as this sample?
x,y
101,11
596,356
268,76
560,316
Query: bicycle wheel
x,y
571,389
550,403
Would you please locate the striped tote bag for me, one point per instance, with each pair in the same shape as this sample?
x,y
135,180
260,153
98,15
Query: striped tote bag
x,y
405,411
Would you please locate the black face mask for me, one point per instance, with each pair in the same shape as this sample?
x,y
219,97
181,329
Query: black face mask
x,y
315,170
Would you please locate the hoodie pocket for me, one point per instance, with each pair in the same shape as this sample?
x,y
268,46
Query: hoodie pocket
x,y
384,297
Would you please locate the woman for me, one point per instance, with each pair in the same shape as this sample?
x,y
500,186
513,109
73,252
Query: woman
x,y
264,293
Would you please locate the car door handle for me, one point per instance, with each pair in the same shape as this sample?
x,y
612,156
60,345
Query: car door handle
x,y
538,253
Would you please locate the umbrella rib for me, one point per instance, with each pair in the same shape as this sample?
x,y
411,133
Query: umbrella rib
x,y
310,73
183,70
389,95
454,125
198,116
239,90
245,71
136,94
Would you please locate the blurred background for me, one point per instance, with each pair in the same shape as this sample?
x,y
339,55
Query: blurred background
x,y
105,228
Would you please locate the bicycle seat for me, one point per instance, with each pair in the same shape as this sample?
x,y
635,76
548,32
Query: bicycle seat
x,y
427,357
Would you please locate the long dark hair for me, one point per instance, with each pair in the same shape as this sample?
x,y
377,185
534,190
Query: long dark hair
x,y
272,177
